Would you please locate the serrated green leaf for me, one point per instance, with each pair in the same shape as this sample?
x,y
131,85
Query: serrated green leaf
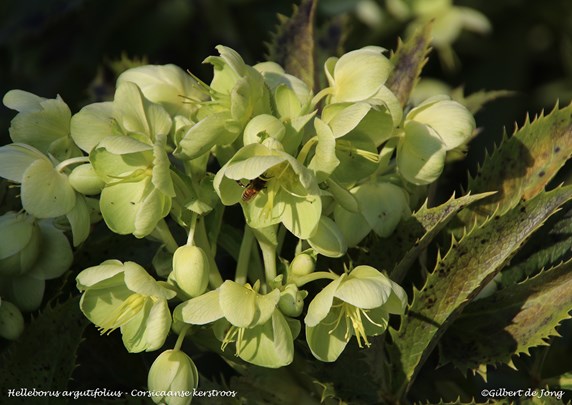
x,y
459,276
550,246
44,356
409,60
413,236
511,321
292,45
523,164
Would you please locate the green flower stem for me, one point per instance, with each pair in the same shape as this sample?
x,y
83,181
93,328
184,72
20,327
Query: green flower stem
x,y
202,241
243,261
163,233
269,259
72,161
192,227
281,237
317,275
214,225
255,271
181,337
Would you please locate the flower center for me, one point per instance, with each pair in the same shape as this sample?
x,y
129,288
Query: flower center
x,y
123,313
352,316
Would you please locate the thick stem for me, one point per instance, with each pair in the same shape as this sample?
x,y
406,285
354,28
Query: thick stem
x,y
269,259
244,256
192,227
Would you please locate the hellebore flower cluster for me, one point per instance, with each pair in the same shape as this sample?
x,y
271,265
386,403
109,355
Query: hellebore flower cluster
x,y
324,170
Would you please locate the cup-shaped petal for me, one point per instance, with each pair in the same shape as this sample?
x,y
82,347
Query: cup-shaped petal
x,y
358,74
450,119
20,243
420,154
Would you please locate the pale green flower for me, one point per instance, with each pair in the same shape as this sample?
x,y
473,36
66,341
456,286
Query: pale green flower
x,y
237,94
355,304
20,243
45,190
434,127
133,163
53,256
167,85
123,295
360,76
262,335
286,191
190,270
41,123
173,372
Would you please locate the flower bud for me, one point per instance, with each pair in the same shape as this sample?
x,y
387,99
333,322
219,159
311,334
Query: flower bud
x,y
84,180
303,264
19,243
190,270
173,371
11,321
292,300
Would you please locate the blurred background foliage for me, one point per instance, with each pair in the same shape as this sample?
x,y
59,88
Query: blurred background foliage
x,y
74,48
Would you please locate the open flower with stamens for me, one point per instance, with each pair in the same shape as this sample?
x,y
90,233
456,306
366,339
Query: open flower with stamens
x,y
355,304
261,333
123,295
286,190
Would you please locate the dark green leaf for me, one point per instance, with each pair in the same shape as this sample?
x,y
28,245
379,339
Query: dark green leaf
x,y
523,164
413,235
44,356
493,329
459,276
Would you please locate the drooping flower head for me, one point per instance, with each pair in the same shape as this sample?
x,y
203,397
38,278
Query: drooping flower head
x,y
355,304
261,333
171,375
434,127
123,295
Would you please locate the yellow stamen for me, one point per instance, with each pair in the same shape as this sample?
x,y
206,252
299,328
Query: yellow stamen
x,y
123,313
